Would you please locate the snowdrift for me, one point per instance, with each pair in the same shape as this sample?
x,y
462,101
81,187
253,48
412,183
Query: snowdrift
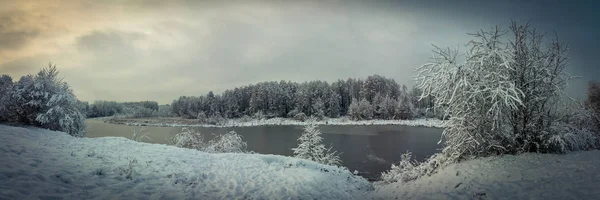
x,y
528,176
38,163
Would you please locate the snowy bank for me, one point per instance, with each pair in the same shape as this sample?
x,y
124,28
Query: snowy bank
x,y
530,176
44,164
275,121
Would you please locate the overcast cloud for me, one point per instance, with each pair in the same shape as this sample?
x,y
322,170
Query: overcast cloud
x,y
158,50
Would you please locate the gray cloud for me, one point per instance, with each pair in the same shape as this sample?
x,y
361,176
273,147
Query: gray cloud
x,y
159,50
12,36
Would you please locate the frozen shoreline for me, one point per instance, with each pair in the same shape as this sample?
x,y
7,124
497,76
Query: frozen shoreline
x,y
38,163
43,164
423,122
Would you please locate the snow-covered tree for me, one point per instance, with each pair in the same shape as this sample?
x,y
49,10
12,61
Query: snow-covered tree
x,y
479,94
503,97
593,101
333,110
405,108
387,108
311,147
360,110
365,109
51,101
318,109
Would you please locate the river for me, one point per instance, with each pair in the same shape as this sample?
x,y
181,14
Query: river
x,y
369,149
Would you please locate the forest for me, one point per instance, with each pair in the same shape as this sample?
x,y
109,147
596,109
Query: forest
x,y
375,97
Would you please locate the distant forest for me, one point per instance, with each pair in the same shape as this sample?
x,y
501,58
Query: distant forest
x,y
375,97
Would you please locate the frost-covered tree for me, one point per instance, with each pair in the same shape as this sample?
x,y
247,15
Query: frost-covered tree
x,y
333,110
365,109
318,109
502,97
479,94
311,147
360,110
51,101
593,101
387,108
405,108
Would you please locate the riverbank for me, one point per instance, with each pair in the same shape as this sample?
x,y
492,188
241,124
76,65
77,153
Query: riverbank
x,y
574,175
180,122
42,164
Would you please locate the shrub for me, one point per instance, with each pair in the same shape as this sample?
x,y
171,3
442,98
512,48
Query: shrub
x,y
230,142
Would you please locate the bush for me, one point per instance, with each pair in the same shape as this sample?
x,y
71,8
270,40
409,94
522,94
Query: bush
x,y
404,171
190,139
230,142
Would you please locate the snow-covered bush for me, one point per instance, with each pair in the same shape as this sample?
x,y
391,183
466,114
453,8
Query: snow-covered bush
x,y
230,142
404,171
48,102
409,169
188,138
312,148
563,137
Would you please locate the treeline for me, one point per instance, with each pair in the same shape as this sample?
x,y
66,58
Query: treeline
x,y
127,109
375,97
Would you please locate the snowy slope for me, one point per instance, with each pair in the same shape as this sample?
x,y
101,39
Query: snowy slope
x,y
43,164
530,176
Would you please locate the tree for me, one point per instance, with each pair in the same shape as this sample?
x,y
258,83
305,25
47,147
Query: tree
x,y
593,101
312,148
503,97
48,102
405,108
317,109
333,110
6,85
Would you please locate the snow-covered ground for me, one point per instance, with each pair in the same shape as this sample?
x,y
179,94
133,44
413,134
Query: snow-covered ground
x,y
286,121
42,164
530,176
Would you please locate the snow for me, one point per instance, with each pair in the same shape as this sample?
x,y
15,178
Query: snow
x,y
424,122
527,176
42,164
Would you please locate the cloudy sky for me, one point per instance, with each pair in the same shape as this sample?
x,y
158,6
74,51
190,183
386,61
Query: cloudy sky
x,y
135,50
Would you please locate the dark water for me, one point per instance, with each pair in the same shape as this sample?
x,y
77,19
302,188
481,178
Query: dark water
x,y
369,149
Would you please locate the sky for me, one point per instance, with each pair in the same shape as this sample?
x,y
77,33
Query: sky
x,y
133,50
